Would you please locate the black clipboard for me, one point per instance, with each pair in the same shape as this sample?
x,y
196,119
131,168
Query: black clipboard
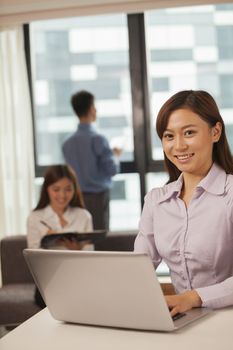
x,y
48,241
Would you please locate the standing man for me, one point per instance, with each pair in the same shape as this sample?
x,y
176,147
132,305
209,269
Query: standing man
x,y
94,162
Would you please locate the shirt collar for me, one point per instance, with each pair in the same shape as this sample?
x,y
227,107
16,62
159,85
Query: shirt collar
x,y
49,212
85,126
214,182
171,189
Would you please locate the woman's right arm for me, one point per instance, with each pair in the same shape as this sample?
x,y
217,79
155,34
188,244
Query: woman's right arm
x,y
145,242
35,231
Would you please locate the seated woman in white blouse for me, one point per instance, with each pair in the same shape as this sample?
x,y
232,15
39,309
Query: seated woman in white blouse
x,y
60,208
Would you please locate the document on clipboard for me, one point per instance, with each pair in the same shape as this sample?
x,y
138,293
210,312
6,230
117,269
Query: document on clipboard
x,y
48,241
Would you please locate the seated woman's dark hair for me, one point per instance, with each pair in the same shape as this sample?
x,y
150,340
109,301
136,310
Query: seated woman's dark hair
x,y
53,174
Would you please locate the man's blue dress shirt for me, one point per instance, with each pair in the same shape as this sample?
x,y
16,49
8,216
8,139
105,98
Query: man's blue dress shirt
x,y
90,155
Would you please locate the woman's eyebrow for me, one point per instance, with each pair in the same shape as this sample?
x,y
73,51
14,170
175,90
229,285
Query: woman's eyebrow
x,y
183,127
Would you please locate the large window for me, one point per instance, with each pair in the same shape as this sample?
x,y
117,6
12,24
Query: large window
x,y
90,53
80,54
132,63
191,48
125,202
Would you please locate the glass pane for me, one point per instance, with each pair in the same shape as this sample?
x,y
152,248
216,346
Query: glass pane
x,y
191,48
156,180
73,54
125,207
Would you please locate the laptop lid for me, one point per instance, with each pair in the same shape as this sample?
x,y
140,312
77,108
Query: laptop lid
x,y
116,289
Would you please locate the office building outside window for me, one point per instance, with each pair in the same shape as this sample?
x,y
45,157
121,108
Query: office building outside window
x,y
191,48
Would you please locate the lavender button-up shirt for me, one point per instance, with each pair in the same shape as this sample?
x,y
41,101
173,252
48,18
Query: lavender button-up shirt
x,y
195,242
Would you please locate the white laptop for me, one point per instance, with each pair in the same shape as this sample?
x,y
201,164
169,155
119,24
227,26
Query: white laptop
x,y
114,289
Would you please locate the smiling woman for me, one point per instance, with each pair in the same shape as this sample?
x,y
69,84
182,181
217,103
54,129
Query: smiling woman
x,y
60,207
188,143
189,222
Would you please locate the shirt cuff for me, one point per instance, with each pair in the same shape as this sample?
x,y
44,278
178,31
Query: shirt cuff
x,y
215,296
117,162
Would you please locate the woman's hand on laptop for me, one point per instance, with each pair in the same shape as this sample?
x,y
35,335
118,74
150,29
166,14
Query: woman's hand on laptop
x,y
183,302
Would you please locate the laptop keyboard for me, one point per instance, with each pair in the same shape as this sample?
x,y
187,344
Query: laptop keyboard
x,y
178,316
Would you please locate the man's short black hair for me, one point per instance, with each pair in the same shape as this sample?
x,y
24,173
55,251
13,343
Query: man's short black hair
x,y
81,102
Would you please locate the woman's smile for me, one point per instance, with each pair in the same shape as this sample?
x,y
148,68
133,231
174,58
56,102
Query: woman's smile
x,y
184,156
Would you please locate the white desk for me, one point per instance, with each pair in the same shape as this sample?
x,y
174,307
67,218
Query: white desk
x,y
42,332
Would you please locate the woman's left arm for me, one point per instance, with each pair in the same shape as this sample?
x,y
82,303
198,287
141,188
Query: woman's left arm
x,y
218,295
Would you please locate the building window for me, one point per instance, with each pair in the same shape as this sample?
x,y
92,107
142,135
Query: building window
x,y
89,53
190,48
